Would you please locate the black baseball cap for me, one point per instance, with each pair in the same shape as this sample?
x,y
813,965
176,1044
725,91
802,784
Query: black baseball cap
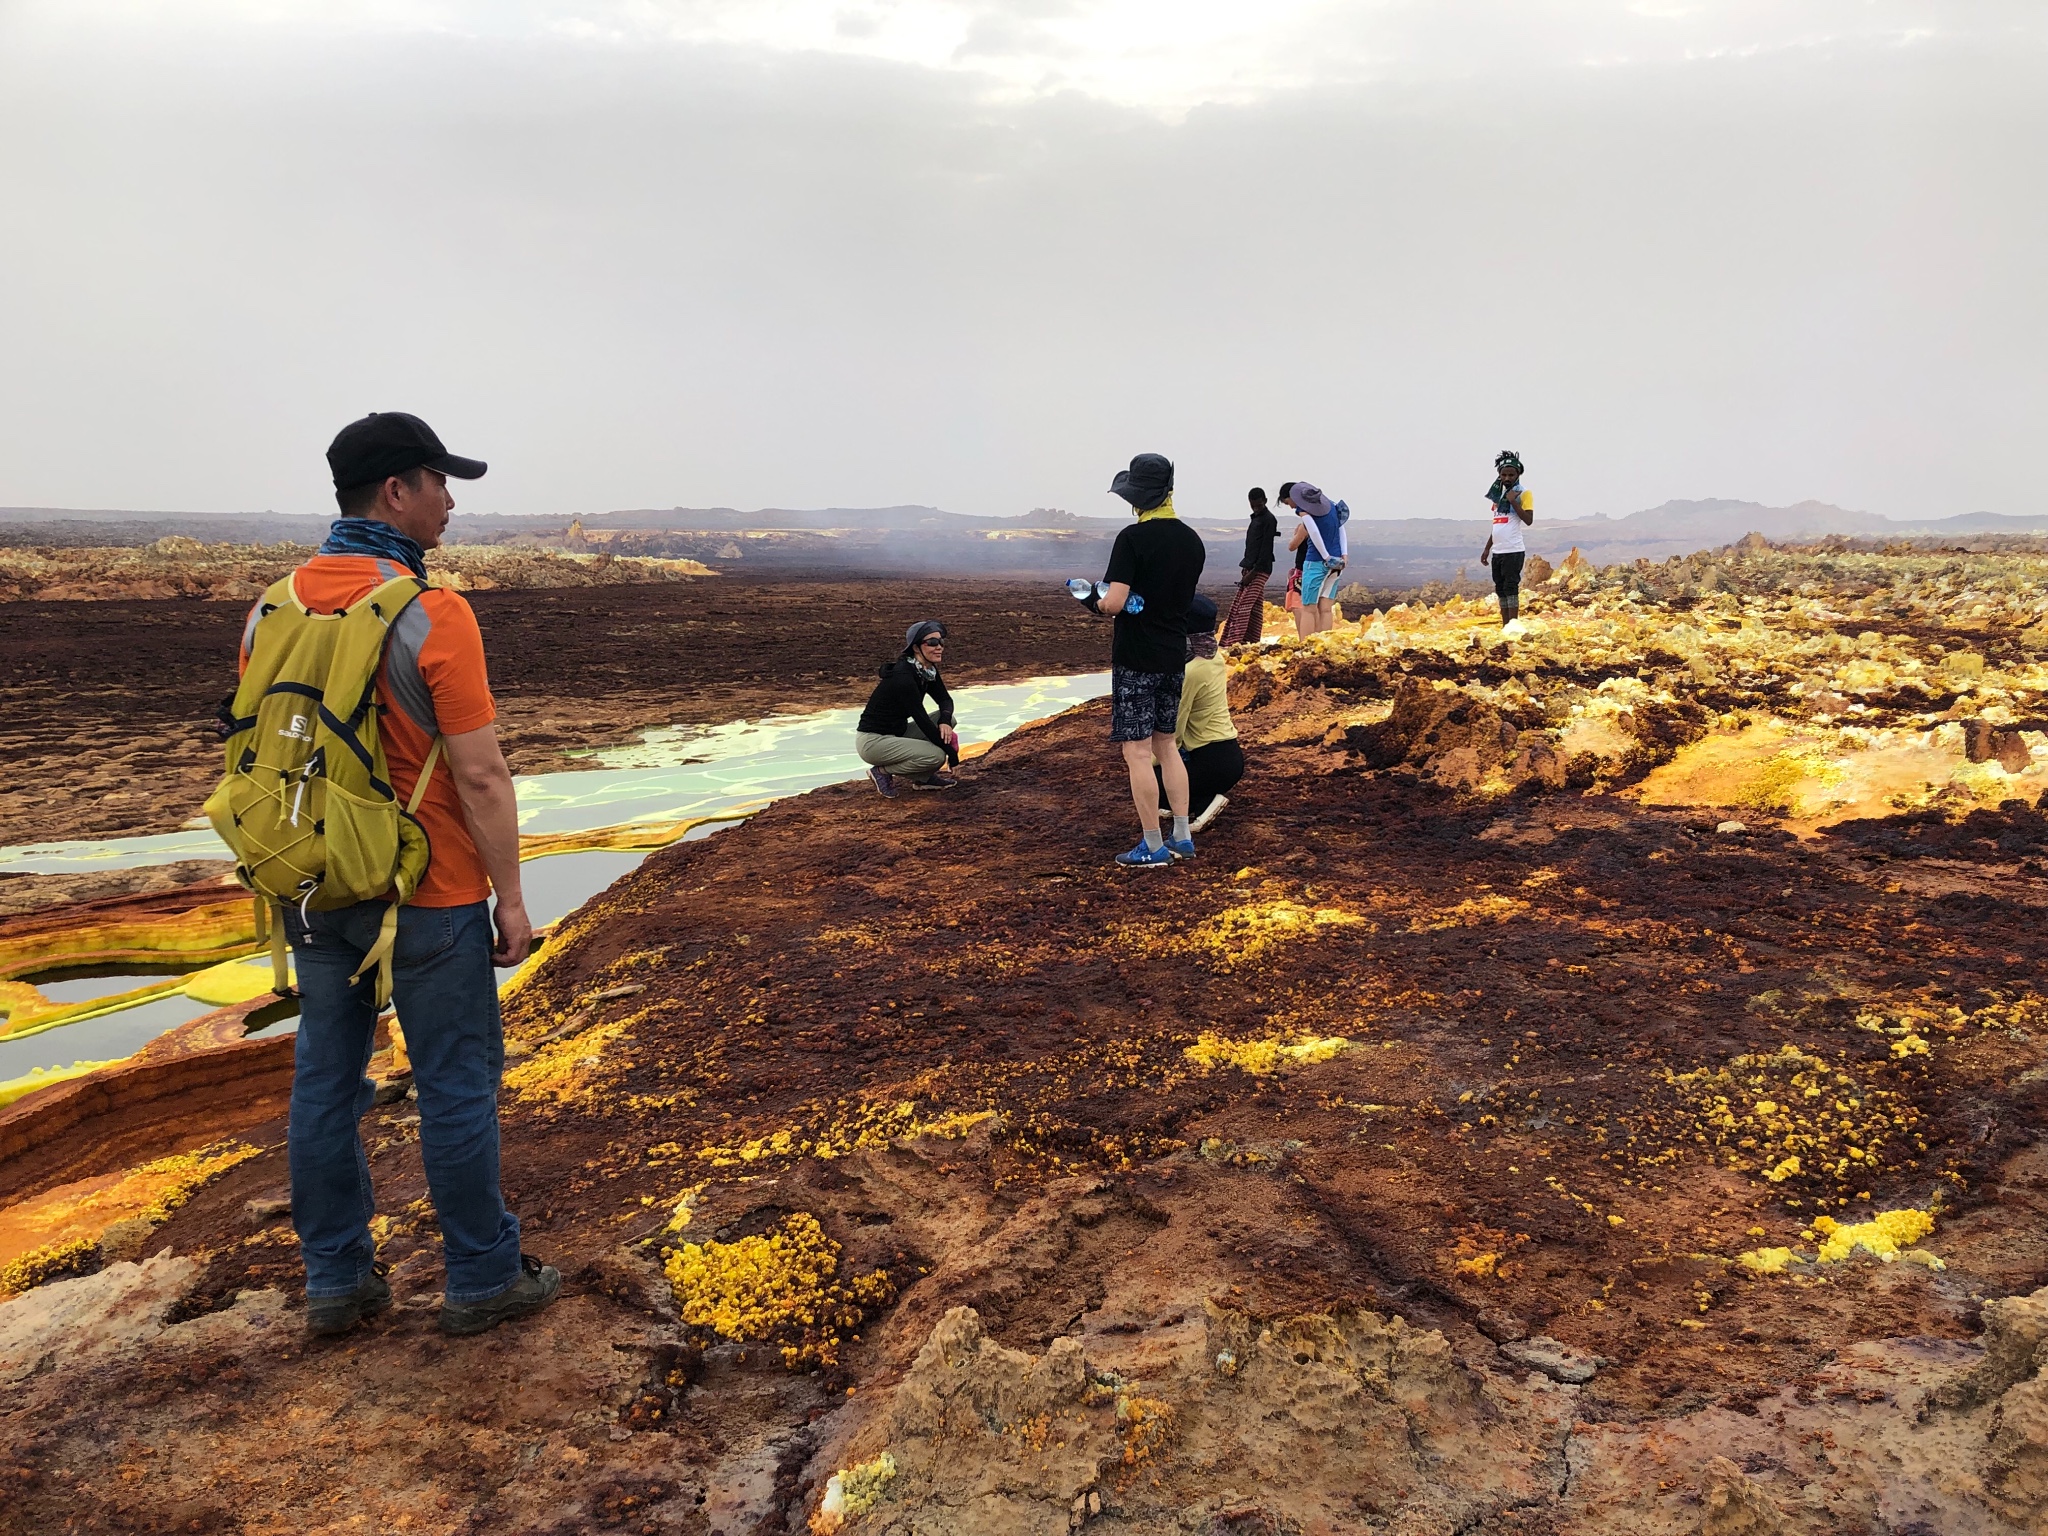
x,y
387,443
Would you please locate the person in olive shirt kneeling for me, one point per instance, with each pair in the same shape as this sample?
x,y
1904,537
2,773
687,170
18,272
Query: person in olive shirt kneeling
x,y
1205,733
1154,567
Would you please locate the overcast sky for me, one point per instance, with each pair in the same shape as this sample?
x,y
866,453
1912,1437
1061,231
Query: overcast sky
x,y
976,254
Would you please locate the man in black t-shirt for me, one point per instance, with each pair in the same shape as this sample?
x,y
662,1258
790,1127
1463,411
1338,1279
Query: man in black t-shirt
x,y
1158,562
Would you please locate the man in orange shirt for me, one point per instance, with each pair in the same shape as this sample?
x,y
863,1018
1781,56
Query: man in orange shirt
x,y
391,480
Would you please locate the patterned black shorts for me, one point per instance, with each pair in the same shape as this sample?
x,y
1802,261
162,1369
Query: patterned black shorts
x,y
1143,704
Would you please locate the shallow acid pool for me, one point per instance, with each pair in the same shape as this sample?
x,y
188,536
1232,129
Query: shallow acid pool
x,y
62,988
672,774
106,1038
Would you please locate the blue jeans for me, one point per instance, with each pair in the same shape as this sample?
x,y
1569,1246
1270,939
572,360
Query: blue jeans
x,y
447,1000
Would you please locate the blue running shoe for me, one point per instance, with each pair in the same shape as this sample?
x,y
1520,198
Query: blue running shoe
x,y
1182,849
1142,857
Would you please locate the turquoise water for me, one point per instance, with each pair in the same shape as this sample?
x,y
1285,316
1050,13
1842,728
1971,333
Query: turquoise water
x,y
84,989
106,1038
672,773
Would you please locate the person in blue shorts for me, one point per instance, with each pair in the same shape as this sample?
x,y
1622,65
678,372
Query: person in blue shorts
x,y
1154,567
1320,533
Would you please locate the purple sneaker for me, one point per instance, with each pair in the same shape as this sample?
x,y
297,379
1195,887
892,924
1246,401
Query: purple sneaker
x,y
884,781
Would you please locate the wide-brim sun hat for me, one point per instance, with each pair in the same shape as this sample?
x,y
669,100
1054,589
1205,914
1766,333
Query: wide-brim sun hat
x,y
1147,483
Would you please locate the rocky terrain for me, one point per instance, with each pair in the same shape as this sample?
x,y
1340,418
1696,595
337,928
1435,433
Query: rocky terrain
x,y
175,566
1588,1082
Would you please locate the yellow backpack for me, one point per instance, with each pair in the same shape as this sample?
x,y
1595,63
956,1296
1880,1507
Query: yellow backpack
x,y
306,802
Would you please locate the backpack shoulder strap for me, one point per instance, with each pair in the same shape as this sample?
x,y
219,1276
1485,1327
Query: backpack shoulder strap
x,y
367,626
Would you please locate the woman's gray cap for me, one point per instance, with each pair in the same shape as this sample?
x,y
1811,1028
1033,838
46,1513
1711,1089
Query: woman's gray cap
x,y
1147,483
1307,498
914,636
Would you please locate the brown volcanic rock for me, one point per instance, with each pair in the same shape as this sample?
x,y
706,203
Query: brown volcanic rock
x,y
1469,1071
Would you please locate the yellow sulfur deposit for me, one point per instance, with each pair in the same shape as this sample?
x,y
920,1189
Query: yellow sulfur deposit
x,y
852,1492
1807,1123
846,1129
1766,1261
779,1286
51,1232
1887,1236
1247,932
1146,1425
42,1077
50,1262
1736,679
567,1071
1258,1057
1883,1236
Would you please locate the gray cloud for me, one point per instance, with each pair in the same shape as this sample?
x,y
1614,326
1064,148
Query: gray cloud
x,y
711,273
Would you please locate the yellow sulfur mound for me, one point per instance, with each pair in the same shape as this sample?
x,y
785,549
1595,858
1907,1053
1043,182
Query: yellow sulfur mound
x,y
852,1492
1888,1235
776,1286
1883,1236
1766,1261
1146,1424
1258,1057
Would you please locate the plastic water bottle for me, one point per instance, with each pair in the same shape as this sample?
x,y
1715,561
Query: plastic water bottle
x,y
1080,587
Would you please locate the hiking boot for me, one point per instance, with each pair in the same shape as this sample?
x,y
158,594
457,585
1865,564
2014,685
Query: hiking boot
x,y
884,781
1181,847
338,1314
1142,857
537,1285
1209,813
939,780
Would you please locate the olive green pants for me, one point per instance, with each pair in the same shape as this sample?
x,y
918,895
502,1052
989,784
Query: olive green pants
x,y
910,755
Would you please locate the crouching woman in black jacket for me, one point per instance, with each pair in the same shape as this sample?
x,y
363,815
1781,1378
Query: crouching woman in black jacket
x,y
895,737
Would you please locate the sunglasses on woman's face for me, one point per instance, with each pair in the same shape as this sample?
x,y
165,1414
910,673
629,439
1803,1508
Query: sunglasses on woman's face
x,y
935,645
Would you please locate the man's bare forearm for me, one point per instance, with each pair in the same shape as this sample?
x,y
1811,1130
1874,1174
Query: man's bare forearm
x,y
492,811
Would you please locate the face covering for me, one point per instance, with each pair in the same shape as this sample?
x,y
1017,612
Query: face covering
x,y
367,536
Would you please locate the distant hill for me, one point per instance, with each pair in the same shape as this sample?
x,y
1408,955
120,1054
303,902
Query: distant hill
x,y
877,540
